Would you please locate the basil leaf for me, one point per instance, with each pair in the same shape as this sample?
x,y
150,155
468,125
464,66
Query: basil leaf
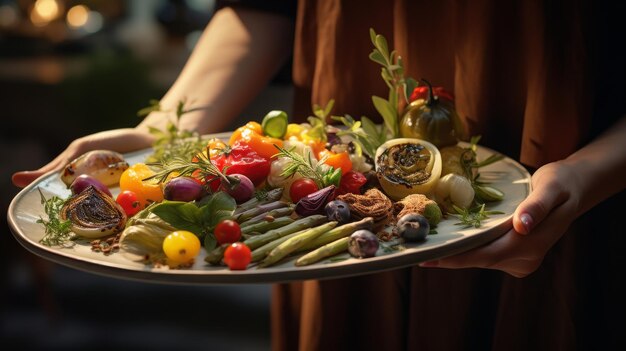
x,y
181,215
220,206
209,242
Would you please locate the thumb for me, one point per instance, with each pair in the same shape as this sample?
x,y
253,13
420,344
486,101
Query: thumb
x,y
546,195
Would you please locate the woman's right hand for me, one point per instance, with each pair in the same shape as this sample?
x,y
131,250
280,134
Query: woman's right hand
x,y
120,140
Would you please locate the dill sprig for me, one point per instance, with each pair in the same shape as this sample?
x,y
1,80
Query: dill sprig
x,y
305,166
57,231
472,217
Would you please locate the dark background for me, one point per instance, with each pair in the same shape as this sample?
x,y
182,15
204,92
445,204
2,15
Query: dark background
x,y
58,83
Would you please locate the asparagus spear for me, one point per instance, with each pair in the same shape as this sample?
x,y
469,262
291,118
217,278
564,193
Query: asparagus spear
x,y
303,223
270,196
337,233
336,247
262,251
215,256
292,244
275,213
262,227
262,209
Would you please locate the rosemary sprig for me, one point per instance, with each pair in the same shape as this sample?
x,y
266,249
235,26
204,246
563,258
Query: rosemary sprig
x,y
57,231
305,166
472,217
200,168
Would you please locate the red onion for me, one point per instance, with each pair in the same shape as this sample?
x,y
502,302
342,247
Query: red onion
x,y
83,181
240,188
183,189
314,203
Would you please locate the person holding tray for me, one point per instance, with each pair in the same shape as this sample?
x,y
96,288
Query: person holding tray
x,y
542,81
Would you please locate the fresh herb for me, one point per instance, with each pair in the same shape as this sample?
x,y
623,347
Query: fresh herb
x,y
366,135
472,217
199,218
318,121
201,168
400,88
57,231
172,142
484,192
305,166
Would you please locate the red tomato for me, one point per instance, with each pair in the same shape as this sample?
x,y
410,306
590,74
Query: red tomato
x,y
241,159
237,256
301,188
227,231
129,202
351,182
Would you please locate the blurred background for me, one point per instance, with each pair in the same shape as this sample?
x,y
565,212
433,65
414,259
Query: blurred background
x,y
70,68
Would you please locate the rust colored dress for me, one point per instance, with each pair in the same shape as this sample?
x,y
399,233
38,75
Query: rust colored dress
x,y
527,77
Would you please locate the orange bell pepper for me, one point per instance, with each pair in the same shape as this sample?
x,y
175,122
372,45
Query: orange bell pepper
x,y
339,160
252,135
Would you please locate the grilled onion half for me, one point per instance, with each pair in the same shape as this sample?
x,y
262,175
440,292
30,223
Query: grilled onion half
x,y
406,166
94,214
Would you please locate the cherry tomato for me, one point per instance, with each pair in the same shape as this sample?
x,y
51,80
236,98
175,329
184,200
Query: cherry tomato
x,y
129,202
301,188
237,256
351,182
227,231
181,246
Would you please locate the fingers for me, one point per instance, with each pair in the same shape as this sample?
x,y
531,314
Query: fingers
x,y
517,255
548,193
23,178
120,140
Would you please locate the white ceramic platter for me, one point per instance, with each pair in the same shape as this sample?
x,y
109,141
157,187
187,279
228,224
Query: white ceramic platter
x,y
25,209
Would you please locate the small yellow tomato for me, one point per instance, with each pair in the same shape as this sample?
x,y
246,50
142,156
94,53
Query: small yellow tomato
x,y
181,246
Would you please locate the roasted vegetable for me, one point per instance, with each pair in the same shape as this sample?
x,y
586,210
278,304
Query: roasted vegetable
x,y
93,214
454,189
363,244
407,166
413,227
104,165
432,119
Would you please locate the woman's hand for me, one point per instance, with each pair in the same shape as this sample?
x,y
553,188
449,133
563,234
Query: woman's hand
x,y
120,140
562,191
542,219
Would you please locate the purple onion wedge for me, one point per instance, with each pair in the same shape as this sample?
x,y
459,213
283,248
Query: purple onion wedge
x,y
314,203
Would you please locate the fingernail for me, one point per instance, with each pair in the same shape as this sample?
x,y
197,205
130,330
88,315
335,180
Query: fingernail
x,y
429,264
527,221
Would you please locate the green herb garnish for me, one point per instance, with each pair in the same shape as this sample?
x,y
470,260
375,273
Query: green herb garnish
x,y
472,217
400,88
172,142
199,218
306,167
57,231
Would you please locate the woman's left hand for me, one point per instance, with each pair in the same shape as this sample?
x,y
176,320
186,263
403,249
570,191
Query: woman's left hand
x,y
538,223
